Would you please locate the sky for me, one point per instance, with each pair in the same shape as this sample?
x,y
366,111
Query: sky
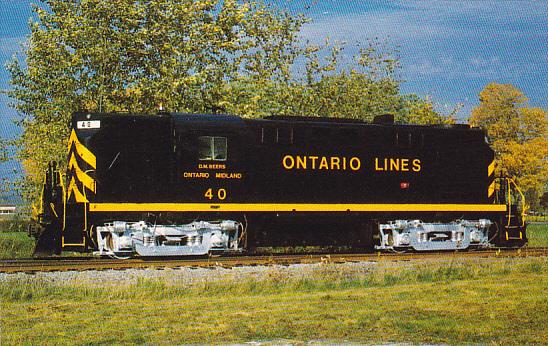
x,y
450,50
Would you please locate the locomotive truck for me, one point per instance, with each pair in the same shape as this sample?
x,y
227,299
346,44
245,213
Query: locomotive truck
x,y
177,184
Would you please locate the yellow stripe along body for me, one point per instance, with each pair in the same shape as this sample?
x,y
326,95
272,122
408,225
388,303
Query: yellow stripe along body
x,y
291,207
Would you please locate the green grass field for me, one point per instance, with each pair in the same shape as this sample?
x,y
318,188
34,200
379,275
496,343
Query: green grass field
x,y
15,245
499,301
495,301
537,234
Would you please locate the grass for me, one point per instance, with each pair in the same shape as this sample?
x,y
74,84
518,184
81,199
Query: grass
x,y
14,242
537,234
537,218
500,301
17,223
15,245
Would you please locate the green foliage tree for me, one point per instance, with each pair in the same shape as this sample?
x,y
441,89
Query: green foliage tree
x,y
518,135
365,89
241,57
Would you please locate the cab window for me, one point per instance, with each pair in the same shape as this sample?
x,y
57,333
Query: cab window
x,y
212,148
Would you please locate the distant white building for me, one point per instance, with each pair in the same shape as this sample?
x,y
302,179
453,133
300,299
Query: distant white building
x,y
7,210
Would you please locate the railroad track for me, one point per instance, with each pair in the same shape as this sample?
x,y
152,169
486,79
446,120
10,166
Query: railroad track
x,y
93,263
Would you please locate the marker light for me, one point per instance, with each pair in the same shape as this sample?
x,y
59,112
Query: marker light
x,y
404,185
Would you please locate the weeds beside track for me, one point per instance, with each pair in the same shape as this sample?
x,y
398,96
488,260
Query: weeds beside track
x,y
91,263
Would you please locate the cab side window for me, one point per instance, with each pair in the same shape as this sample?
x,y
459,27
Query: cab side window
x,y
212,148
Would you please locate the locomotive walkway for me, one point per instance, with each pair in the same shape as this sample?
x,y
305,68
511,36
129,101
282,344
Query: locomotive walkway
x,y
94,263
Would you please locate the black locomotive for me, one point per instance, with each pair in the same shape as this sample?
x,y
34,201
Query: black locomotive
x,y
184,184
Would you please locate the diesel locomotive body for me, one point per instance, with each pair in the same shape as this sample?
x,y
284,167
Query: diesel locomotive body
x,y
184,184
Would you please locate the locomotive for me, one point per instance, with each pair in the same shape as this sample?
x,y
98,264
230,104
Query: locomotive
x,y
176,184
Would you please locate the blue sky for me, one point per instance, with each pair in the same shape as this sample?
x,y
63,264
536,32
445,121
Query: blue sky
x,y
449,49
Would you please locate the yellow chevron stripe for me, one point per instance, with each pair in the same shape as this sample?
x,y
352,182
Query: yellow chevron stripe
x,y
73,188
82,151
86,180
491,168
286,207
491,190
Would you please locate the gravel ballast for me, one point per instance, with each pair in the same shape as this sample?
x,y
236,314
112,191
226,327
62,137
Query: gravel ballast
x,y
187,276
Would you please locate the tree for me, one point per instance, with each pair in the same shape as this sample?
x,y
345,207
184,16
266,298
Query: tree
x,y
241,57
125,55
544,201
361,91
518,135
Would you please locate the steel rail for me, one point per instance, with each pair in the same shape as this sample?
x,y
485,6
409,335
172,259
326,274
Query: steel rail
x,y
94,263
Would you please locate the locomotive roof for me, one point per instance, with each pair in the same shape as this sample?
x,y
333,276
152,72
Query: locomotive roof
x,y
234,120
182,119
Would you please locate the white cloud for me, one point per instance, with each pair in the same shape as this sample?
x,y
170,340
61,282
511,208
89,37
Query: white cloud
x,y
459,39
360,27
424,68
486,10
428,20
